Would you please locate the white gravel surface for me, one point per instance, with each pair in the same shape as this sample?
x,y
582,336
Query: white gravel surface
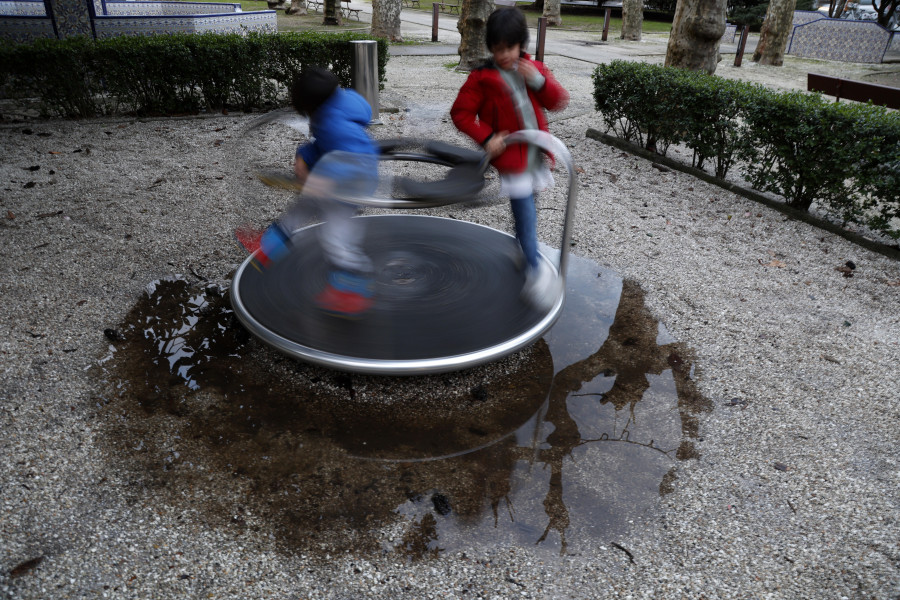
x,y
794,493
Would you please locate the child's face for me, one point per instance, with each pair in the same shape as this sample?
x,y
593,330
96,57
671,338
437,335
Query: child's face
x,y
505,55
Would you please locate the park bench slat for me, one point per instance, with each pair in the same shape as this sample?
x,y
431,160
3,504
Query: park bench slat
x,y
849,89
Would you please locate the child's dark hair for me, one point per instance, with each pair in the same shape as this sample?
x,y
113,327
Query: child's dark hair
x,y
311,88
507,25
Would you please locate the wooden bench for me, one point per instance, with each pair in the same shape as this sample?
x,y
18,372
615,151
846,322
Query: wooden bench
x,y
345,8
849,89
411,3
448,6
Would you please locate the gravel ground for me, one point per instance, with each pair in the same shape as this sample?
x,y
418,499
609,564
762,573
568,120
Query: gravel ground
x,y
793,493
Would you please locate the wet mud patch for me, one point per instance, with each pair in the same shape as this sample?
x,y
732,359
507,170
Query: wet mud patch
x,y
558,446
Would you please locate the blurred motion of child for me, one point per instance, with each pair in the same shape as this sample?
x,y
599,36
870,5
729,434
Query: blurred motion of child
x,y
338,164
510,92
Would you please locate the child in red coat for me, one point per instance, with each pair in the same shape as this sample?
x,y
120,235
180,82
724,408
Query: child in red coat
x,y
508,93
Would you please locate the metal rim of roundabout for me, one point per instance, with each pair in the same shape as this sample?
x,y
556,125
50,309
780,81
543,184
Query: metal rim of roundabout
x,y
454,362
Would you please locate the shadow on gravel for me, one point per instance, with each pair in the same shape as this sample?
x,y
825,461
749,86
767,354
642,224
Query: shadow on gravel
x,y
560,446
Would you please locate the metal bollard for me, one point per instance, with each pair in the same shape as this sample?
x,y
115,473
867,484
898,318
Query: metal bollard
x,y
739,56
364,74
541,38
435,8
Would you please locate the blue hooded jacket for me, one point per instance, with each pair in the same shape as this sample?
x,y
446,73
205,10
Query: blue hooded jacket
x,y
339,124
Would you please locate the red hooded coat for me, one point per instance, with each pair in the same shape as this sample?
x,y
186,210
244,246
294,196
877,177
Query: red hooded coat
x,y
484,106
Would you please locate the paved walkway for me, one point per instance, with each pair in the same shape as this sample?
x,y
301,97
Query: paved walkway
x,y
578,45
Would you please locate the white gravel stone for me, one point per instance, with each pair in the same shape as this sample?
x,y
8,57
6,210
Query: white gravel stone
x,y
811,357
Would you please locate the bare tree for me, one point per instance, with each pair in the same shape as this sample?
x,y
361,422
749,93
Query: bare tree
x,y
386,19
773,37
332,10
885,10
696,32
552,12
473,15
836,8
632,19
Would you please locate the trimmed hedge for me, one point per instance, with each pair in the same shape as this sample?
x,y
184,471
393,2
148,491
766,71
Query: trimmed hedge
x,y
807,149
171,74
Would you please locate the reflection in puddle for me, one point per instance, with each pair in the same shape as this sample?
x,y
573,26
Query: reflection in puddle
x,y
558,447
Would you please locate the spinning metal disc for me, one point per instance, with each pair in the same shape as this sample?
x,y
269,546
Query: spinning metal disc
x,y
446,291
446,298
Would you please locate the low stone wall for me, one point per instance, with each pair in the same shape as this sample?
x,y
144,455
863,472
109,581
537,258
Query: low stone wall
x,y
24,30
23,8
260,21
165,9
24,21
841,39
730,35
806,16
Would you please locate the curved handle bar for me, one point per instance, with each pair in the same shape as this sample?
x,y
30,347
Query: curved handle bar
x,y
554,146
535,137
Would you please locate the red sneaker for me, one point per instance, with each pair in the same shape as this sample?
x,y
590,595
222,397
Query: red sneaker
x,y
248,237
342,303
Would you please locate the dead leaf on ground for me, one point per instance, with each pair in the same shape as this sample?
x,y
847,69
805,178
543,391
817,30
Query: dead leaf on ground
x,y
845,271
773,263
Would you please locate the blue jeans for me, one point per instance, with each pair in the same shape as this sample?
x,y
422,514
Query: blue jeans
x,y
525,216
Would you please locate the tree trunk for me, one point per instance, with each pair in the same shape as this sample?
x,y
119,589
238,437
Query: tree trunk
x,y
773,37
473,15
837,8
632,19
332,10
885,10
696,32
552,12
297,7
386,19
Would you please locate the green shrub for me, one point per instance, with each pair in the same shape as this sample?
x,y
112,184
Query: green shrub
x,y
638,103
172,74
843,156
800,147
62,73
876,171
711,122
150,75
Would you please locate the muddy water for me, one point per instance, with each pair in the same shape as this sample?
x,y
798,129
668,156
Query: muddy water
x,y
565,444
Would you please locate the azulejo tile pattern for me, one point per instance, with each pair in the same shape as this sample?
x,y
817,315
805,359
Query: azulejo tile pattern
x,y
806,16
23,8
145,9
26,20
26,29
260,21
840,39
730,33
72,17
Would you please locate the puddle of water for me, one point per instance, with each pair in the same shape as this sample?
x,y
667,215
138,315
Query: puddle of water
x,y
558,447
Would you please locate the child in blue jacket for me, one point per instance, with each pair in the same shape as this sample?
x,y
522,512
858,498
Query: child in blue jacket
x,y
338,164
